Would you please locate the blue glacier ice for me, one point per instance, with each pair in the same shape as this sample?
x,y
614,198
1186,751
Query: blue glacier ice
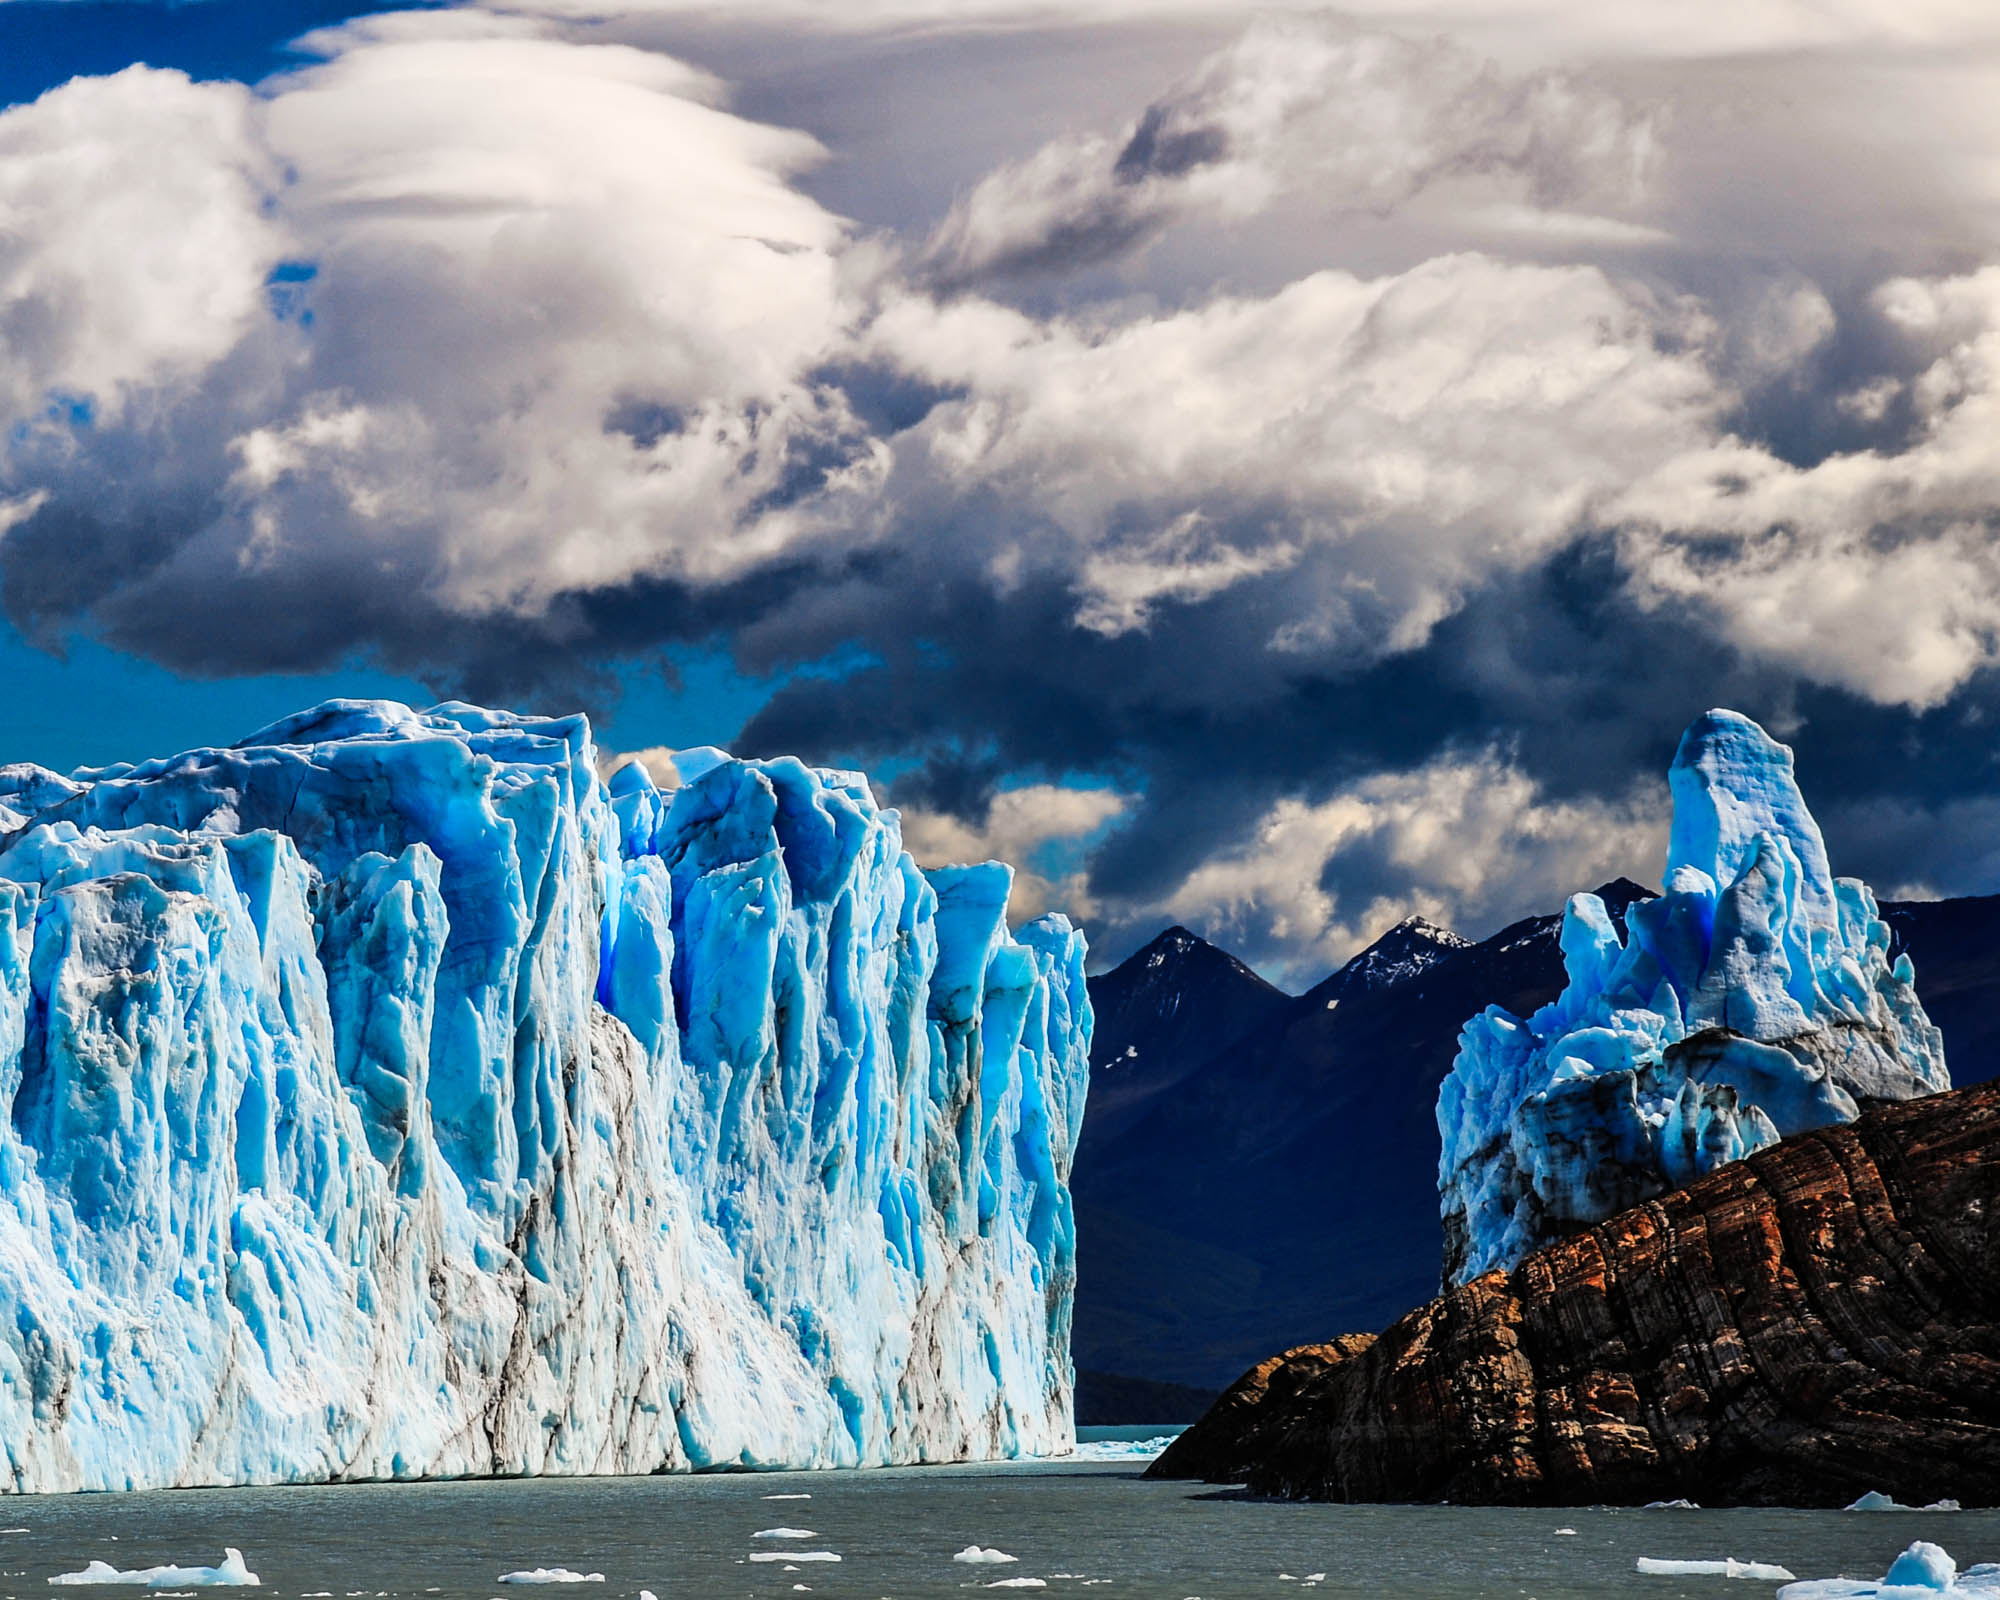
x,y
1754,999
389,1096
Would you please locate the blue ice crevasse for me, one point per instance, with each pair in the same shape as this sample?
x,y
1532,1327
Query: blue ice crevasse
x,y
389,1096
1752,1000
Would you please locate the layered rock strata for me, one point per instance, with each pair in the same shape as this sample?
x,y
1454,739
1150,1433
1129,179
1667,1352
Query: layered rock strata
x,y
1818,1320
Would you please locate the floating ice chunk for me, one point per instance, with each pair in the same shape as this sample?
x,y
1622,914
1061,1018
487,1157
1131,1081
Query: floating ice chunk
x,y
1759,1571
1670,1505
1565,1533
1875,1500
647,1594
1018,1583
551,1575
784,1533
787,1497
972,1555
1922,1570
232,1574
793,1555
1314,1577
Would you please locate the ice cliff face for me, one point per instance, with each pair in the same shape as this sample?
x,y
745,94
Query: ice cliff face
x,y
387,1097
1754,999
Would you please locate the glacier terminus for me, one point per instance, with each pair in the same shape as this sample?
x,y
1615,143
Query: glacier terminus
x,y
391,1096
1753,1000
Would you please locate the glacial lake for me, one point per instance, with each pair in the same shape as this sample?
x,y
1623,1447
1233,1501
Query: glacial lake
x,y
1085,1528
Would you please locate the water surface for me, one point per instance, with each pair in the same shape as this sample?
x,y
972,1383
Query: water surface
x,y
1085,1528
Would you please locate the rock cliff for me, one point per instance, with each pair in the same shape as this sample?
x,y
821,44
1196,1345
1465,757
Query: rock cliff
x,y
1818,1320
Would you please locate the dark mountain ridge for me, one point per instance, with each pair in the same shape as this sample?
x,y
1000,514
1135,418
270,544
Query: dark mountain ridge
x,y
1281,1188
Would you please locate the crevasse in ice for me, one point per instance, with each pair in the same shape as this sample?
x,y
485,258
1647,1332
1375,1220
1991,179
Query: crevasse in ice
x,y
1753,999
389,1096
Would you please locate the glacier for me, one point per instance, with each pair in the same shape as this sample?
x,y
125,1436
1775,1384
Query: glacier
x,y
390,1095
1752,1000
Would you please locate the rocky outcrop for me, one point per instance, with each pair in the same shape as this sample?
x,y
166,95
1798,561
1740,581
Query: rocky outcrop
x,y
1247,1417
1794,1329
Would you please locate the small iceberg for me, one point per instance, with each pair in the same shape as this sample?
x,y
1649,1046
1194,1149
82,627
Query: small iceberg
x,y
973,1556
793,1555
1757,1571
784,1533
1876,1500
1922,1570
1670,1505
232,1574
551,1575
787,1497
1019,1583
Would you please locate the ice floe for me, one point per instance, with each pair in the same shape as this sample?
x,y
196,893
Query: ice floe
x,y
231,1574
1921,1571
1729,1567
793,1555
1018,1583
784,1533
551,1575
972,1555
1876,1500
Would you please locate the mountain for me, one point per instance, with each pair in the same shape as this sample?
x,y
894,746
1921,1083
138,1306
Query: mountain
x,y
1284,1188
386,1096
1160,1014
1285,1191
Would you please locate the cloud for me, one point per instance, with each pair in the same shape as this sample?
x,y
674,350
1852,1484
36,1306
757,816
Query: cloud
x,y
1431,427
1315,114
136,244
1018,826
1875,570
1464,840
501,351
547,326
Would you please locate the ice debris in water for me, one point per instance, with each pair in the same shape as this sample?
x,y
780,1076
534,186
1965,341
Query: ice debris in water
x,y
1923,1569
1754,999
1124,1449
1019,1583
793,1555
787,1497
1759,1571
551,1575
389,1096
231,1574
1876,1500
784,1533
647,1594
1670,1505
972,1555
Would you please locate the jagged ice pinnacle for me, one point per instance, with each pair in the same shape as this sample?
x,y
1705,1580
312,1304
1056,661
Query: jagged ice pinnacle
x,y
1754,999
387,1096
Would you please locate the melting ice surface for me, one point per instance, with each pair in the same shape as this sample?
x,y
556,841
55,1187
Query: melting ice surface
x,y
387,1096
1752,1000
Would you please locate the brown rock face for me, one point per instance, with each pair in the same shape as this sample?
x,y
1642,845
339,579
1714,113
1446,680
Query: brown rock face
x,y
1817,1321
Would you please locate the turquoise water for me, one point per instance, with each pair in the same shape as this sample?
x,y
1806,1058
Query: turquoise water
x,y
1085,1529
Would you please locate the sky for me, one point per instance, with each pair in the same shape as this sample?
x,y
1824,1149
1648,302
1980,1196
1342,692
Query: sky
x,y
1276,470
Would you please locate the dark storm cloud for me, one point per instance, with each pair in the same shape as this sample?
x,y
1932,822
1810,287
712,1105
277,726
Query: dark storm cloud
x,y
1294,610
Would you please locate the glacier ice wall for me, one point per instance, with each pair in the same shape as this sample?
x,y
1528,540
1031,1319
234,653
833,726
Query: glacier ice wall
x,y
388,1096
1752,1000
